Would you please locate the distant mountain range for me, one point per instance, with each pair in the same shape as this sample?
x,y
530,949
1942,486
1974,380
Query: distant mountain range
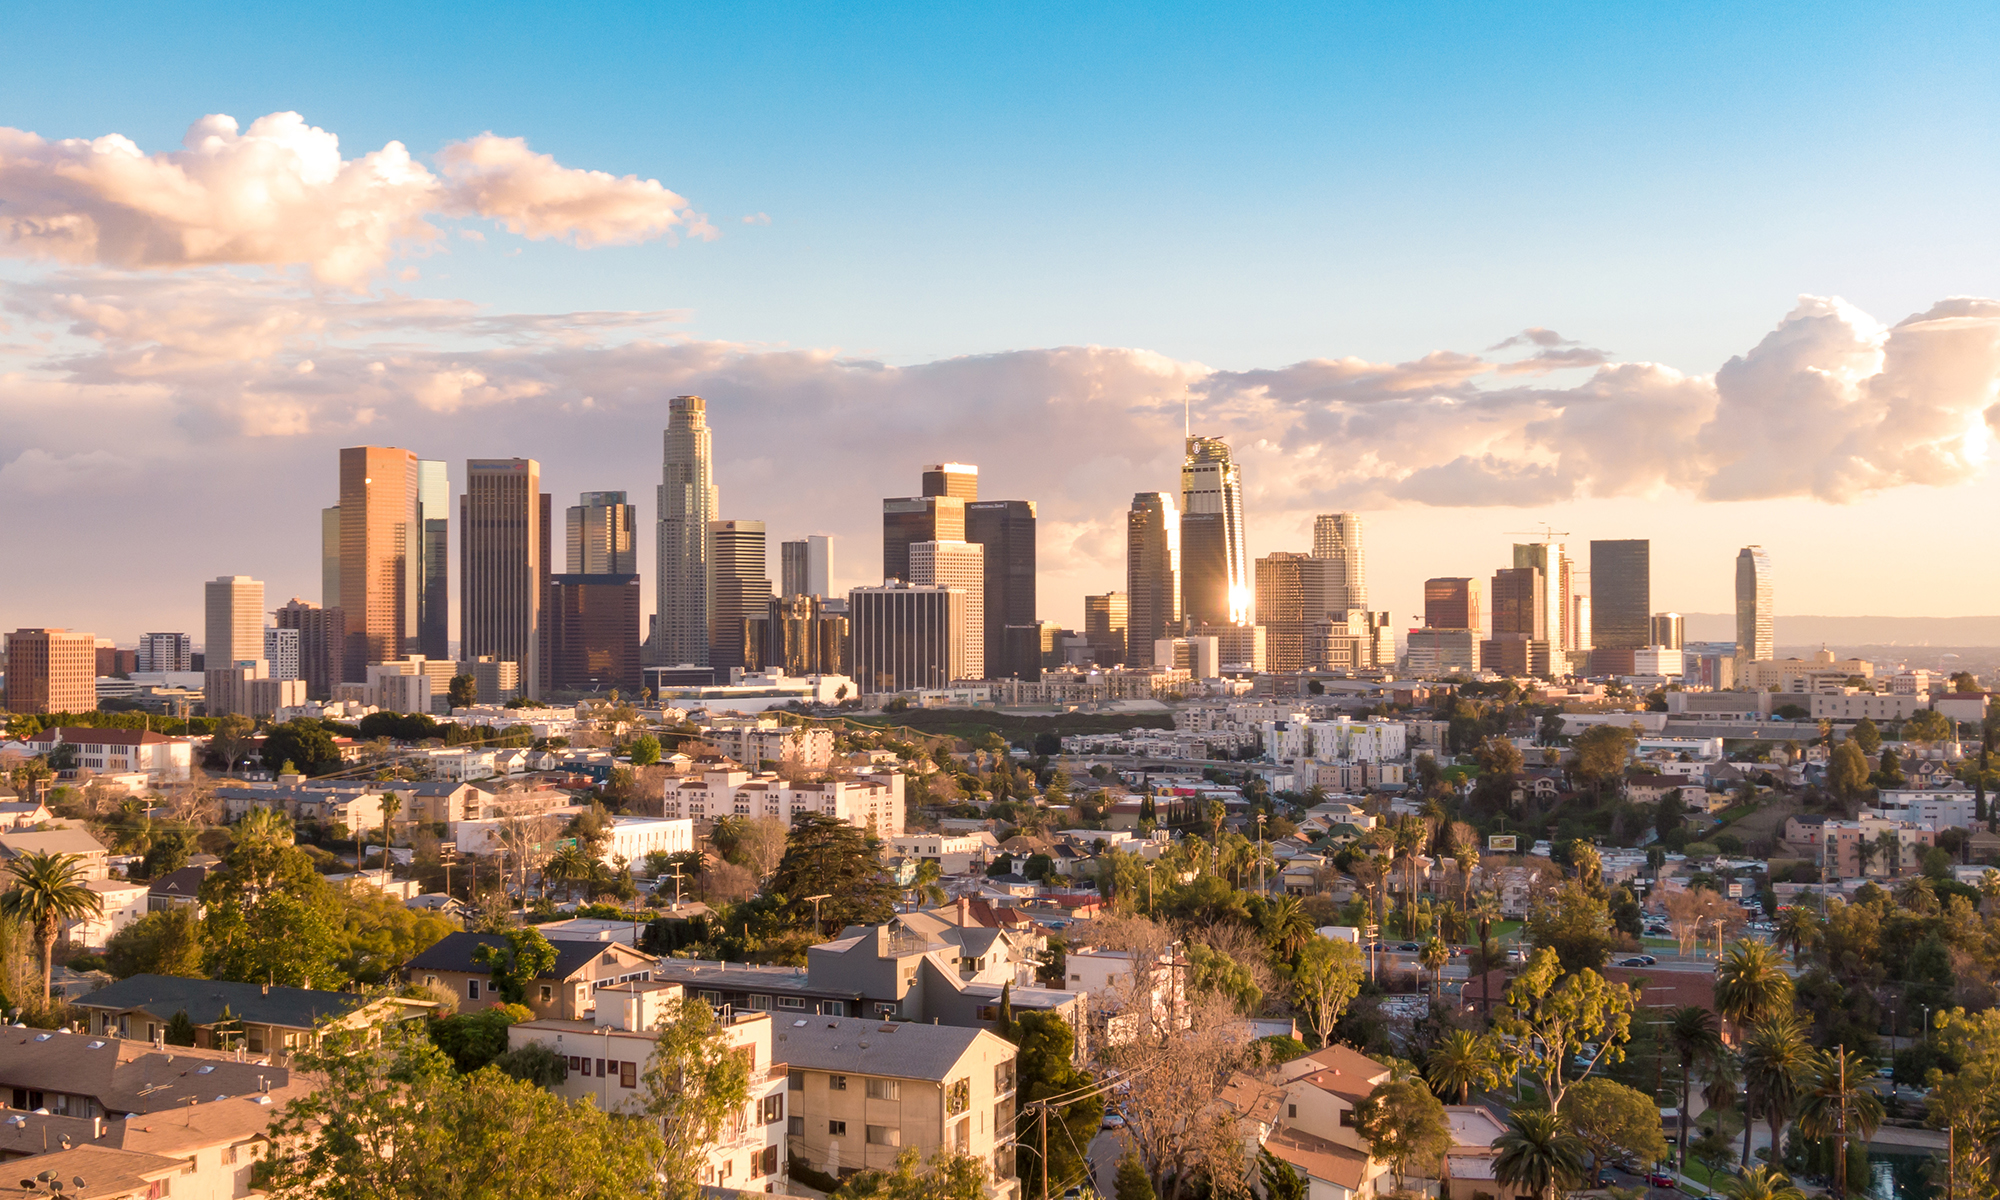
x,y
1855,631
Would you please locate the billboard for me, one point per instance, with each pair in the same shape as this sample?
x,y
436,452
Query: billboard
x,y
1500,843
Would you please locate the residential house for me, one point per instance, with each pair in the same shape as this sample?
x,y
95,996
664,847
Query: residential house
x,y
18,814
566,991
606,1058
1317,1133
175,888
260,1018
120,902
94,858
862,1091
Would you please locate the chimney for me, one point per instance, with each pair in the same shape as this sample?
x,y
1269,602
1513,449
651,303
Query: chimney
x,y
97,1127
964,911
266,989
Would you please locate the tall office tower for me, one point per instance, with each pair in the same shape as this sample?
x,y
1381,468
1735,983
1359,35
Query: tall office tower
x,y
960,481
504,543
805,566
1104,625
1296,593
1337,536
1580,623
687,503
960,565
1548,558
909,519
1563,634
593,624
739,590
1152,575
1621,582
1668,630
165,652
322,636
1520,641
803,634
380,531
433,627
329,556
234,605
281,651
1006,528
906,636
1452,602
1755,639
1215,552
113,662
51,671
600,535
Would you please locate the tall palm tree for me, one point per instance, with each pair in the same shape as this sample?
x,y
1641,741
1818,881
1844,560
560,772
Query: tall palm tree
x,y
568,866
1840,1105
1763,1183
48,892
927,885
1287,926
1433,958
1461,1061
1692,1035
391,805
1538,1154
1798,927
1751,984
1778,1065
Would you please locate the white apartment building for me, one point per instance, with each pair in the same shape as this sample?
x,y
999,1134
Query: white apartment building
x,y
1853,706
281,650
607,1058
1943,809
103,751
872,801
806,747
954,854
633,838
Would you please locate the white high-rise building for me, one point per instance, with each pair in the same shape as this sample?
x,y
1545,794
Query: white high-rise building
x,y
687,503
1755,639
1216,588
165,652
1338,536
281,650
959,565
234,608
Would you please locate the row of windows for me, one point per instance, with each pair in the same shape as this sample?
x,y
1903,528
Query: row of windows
x,y
878,1135
626,1073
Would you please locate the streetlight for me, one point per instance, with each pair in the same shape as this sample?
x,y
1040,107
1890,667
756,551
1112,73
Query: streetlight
x,y
815,903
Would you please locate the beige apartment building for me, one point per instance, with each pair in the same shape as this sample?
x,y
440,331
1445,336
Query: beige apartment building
x,y
607,1055
872,802
51,670
862,1091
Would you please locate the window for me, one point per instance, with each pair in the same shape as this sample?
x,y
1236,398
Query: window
x,y
885,1010
712,999
837,1082
472,989
548,993
837,1128
1347,1118
833,1008
774,1109
884,1135
600,1067
884,1089
628,1074
792,1002
1003,1077
795,1081
229,1156
796,1126
770,1160
1292,1111
760,1003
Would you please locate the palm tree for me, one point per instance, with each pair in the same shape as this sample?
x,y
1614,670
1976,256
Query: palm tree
x,y
1798,928
48,892
1763,1183
1751,984
926,885
1777,1066
1538,1154
568,866
1287,926
1460,1062
1433,958
1691,1032
1839,1105
391,805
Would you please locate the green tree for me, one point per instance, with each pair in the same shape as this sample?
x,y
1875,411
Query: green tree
x,y
826,856
1761,1183
1405,1125
645,750
392,1121
1601,753
1462,1060
1751,984
1327,979
462,691
1553,1017
1927,725
1777,1066
1211,971
516,965
475,1039
1575,922
305,743
947,1176
1045,1069
1840,1107
692,1085
180,1030
1614,1120
1867,737
1847,770
1281,1180
1692,1036
1966,1100
159,943
1538,1154
47,892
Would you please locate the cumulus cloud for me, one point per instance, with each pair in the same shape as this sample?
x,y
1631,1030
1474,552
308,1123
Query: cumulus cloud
x,y
281,193
215,380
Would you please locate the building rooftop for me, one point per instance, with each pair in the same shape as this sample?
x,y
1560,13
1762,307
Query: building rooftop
x,y
898,1049
205,1001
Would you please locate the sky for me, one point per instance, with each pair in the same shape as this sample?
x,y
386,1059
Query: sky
x,y
1708,275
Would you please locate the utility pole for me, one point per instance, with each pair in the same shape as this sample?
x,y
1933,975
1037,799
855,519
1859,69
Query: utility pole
x,y
815,903
1840,1175
1260,855
1045,1150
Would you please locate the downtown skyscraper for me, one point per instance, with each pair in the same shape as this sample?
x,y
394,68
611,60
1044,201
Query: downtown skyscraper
x,y
504,546
1621,578
687,503
1216,587
1152,575
381,569
1755,636
1337,536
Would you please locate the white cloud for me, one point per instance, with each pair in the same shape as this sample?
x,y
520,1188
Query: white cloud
x,y
280,193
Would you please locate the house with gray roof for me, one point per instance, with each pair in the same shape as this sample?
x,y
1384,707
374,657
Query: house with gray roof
x,y
257,1017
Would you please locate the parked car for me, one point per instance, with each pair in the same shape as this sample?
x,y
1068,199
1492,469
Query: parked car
x,y
1633,962
1660,1179
1650,960
1112,1121
1409,947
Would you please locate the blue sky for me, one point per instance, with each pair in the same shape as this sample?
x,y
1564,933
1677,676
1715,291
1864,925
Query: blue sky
x,y
1238,184
1227,188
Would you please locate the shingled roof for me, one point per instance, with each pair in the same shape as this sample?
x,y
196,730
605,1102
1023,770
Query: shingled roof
x,y
205,1001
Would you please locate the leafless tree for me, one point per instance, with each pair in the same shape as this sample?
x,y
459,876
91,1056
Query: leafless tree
x,y
1182,1134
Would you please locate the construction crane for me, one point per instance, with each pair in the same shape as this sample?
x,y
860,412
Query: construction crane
x,y
1549,533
